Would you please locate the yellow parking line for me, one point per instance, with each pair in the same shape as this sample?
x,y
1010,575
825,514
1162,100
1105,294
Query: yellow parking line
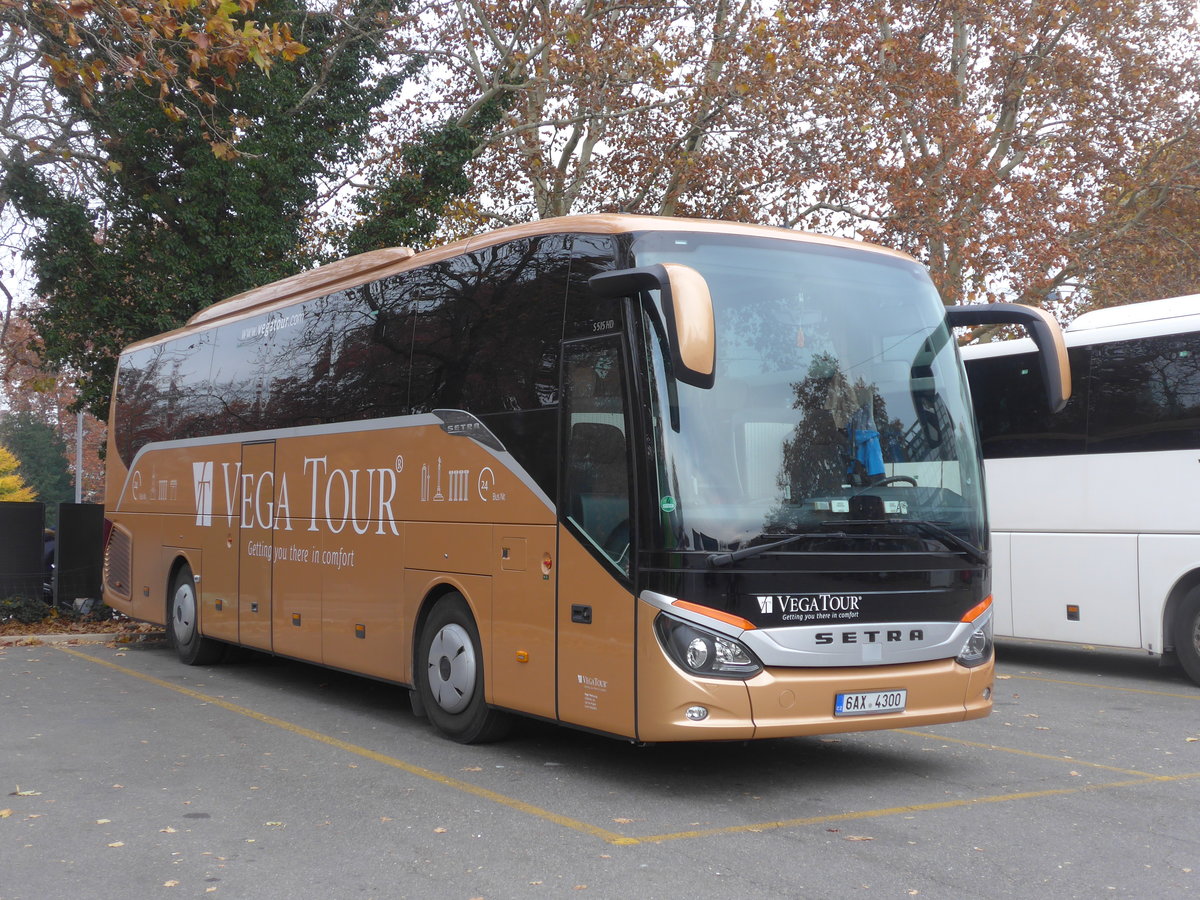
x,y
901,810
614,838
1030,753
574,824
1108,687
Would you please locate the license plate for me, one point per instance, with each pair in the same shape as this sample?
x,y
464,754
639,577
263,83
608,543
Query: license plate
x,y
867,703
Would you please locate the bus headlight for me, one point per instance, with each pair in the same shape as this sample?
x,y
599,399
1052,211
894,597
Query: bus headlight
x,y
978,648
702,652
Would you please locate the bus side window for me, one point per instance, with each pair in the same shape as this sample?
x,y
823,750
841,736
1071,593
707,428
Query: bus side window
x,y
595,497
1007,393
1146,395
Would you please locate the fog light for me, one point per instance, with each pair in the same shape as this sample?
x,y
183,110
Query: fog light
x,y
987,693
696,713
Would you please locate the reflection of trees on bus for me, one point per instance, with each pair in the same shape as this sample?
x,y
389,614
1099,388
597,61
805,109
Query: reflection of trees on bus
x,y
822,454
479,332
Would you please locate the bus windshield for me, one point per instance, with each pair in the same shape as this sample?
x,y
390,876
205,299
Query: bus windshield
x,y
840,405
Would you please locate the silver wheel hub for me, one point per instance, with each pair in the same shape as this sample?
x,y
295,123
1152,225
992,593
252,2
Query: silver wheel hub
x,y
183,613
451,667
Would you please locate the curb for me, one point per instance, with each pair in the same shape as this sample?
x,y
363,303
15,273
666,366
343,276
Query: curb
x,y
103,637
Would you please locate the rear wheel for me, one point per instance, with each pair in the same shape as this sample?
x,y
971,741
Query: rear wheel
x,y
451,675
183,622
1186,635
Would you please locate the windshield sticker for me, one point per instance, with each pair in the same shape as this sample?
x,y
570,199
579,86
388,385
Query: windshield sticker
x,y
667,504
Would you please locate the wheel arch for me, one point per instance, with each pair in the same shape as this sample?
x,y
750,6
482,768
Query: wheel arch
x,y
178,561
428,602
1179,592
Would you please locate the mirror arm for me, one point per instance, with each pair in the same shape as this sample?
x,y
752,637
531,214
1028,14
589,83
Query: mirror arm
x,y
631,282
1041,326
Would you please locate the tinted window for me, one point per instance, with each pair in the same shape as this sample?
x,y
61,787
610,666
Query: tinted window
x,y
238,390
141,404
1010,406
587,313
350,360
596,474
515,382
1145,395
488,326
479,332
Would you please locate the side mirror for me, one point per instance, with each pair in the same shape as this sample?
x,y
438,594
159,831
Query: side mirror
x,y
1042,327
687,307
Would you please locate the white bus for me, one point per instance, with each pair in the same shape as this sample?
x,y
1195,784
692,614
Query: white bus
x,y
1095,510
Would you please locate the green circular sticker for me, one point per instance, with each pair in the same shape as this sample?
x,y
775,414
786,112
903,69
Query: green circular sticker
x,y
667,504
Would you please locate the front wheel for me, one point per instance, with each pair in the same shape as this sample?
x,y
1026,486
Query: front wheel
x,y
450,675
1186,635
183,622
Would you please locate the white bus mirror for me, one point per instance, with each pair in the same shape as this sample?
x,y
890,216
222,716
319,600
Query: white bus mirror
x,y
1042,327
687,307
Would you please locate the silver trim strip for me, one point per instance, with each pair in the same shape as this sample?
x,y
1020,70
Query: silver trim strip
x,y
796,646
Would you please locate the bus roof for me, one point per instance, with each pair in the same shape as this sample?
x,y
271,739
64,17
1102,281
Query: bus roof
x,y
1149,311
367,267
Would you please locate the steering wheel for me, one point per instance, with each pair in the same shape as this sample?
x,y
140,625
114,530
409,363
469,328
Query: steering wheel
x,y
893,479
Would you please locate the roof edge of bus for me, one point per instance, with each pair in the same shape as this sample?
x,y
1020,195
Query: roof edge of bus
x,y
1145,311
352,269
355,270
625,223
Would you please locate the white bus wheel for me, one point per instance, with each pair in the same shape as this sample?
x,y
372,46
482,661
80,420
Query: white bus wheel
x,y
451,678
183,622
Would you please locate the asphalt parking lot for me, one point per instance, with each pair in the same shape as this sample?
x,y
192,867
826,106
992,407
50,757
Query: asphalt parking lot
x,y
124,773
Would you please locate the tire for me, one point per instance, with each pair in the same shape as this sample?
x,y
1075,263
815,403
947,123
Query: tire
x,y
450,676
1186,635
183,622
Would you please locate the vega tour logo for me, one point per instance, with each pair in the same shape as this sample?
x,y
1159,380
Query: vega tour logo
x,y
809,607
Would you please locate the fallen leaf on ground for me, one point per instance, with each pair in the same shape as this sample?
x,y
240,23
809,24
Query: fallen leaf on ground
x,y
5,813
857,837
439,831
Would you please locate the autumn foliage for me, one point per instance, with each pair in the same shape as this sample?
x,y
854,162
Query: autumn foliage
x,y
1010,145
1035,150
182,50
12,487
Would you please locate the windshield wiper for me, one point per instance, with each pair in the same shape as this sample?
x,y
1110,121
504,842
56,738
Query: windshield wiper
x,y
718,560
943,534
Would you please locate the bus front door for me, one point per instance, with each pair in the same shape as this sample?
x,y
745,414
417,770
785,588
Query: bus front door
x,y
256,509
596,607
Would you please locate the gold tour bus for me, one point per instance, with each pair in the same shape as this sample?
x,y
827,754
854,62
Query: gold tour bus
x,y
655,478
